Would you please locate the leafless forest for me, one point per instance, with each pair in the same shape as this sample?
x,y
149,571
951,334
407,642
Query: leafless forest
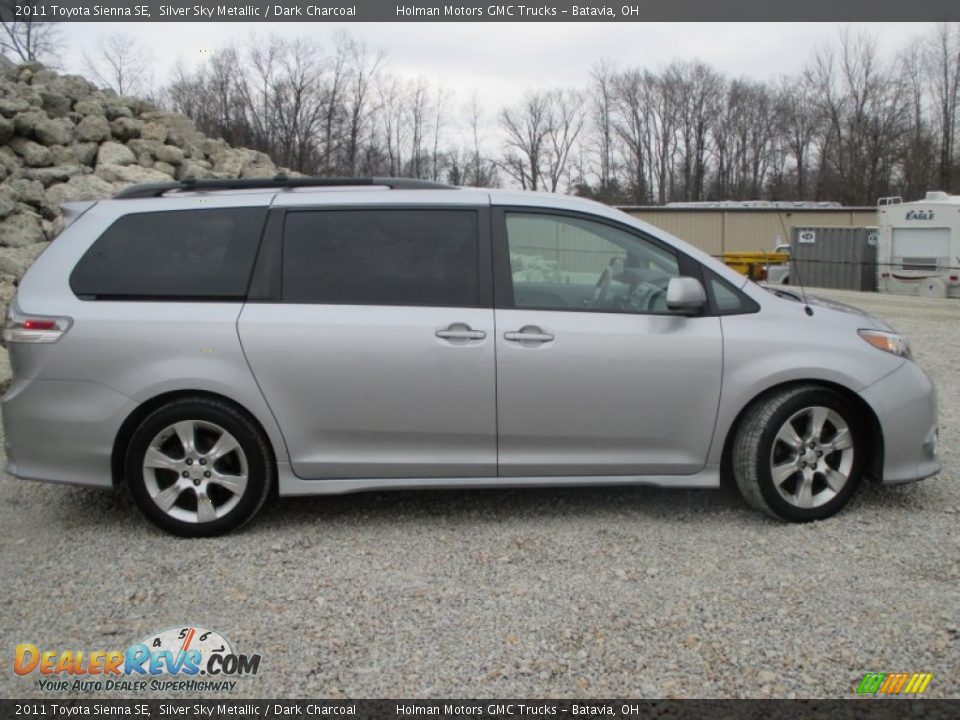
x,y
859,122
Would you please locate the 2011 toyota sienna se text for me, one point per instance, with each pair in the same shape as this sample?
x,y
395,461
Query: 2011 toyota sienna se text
x,y
206,341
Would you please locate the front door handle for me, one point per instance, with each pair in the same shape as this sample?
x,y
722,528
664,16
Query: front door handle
x,y
461,331
529,334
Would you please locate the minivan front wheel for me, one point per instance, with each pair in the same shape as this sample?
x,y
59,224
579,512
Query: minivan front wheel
x,y
198,467
797,455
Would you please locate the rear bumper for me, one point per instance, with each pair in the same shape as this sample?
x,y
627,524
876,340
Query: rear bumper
x,y
62,431
905,403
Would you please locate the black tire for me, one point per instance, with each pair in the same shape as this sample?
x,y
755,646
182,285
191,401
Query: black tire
x,y
754,448
254,446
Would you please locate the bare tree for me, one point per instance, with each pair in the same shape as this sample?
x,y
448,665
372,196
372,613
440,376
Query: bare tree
x,y
526,127
264,58
698,90
29,40
418,117
851,127
943,62
439,107
394,127
603,90
121,64
364,66
919,160
798,125
631,123
566,116
479,171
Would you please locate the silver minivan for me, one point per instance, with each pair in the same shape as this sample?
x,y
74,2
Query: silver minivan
x,y
207,342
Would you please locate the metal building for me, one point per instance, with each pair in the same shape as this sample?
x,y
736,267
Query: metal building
x,y
717,228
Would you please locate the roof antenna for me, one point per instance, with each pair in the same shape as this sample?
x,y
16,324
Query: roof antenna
x,y
796,268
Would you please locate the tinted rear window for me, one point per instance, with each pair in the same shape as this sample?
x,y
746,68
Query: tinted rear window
x,y
381,257
180,254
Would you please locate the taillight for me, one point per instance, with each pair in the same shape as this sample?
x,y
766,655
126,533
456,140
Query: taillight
x,y
22,328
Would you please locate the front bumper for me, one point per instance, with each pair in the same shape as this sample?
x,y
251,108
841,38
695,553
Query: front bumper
x,y
62,431
905,403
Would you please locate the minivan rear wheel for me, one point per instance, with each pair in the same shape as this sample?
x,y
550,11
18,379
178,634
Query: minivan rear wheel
x,y
198,467
798,454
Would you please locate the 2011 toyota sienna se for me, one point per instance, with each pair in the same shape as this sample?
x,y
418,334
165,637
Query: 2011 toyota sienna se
x,y
204,342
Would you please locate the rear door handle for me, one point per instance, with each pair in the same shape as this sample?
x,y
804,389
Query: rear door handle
x,y
529,334
461,331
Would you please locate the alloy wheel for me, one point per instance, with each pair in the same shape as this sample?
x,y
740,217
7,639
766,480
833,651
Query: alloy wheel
x,y
195,471
812,457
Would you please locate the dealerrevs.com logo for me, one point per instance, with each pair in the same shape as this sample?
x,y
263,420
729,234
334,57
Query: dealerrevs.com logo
x,y
188,659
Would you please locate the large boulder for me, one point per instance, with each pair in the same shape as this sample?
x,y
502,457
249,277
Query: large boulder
x,y
11,106
165,168
21,229
54,132
86,152
26,122
114,153
55,105
230,162
75,87
27,191
154,131
33,154
8,205
89,107
197,169
15,260
126,128
93,128
55,174
116,110
80,187
169,154
129,174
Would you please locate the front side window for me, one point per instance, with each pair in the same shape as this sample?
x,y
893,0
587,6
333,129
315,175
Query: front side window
x,y
381,257
172,255
567,263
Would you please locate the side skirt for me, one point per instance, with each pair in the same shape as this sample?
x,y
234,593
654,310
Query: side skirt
x,y
290,484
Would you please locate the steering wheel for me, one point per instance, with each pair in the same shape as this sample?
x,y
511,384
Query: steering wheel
x,y
654,299
645,297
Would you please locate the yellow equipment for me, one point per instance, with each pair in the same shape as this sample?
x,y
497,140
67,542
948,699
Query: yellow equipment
x,y
754,264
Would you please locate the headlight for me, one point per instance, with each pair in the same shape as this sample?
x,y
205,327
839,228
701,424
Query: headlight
x,y
888,342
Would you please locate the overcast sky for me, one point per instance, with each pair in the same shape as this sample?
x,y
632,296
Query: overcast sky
x,y
501,60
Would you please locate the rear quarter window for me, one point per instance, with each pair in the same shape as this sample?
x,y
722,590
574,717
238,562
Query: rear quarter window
x,y
172,255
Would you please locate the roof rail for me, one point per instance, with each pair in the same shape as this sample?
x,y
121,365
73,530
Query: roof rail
x,y
278,182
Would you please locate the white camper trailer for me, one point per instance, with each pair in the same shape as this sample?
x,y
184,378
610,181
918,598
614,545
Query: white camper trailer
x,y
919,251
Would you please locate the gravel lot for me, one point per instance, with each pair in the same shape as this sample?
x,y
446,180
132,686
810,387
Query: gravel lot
x,y
548,593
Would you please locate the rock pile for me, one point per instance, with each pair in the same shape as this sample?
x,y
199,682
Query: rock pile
x,y
62,139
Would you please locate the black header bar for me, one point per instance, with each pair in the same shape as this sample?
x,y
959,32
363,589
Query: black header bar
x,y
339,11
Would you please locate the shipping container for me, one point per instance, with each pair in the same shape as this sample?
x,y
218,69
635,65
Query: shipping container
x,y
843,258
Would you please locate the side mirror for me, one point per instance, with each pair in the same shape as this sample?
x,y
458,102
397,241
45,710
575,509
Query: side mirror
x,y
686,295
